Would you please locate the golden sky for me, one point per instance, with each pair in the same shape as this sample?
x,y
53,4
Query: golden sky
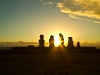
x,y
26,19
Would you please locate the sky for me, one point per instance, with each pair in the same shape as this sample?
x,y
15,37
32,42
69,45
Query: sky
x,y
25,20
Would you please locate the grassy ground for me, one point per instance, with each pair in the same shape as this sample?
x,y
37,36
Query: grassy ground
x,y
57,62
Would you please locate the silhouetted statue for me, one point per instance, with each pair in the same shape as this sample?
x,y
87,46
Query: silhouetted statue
x,y
51,41
61,39
41,41
78,44
70,42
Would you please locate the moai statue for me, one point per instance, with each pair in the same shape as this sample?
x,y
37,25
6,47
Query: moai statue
x,y
51,41
78,44
41,41
70,42
61,39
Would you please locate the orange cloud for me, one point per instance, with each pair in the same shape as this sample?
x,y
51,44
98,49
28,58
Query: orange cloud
x,y
82,8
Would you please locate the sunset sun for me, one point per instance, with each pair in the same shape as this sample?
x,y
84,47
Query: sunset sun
x,y
57,41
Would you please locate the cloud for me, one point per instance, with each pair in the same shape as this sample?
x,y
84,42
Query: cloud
x,y
44,3
82,8
97,22
88,10
89,20
47,3
75,16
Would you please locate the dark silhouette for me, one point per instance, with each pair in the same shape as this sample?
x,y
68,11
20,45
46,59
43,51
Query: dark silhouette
x,y
61,39
78,44
70,42
31,46
51,41
32,49
41,41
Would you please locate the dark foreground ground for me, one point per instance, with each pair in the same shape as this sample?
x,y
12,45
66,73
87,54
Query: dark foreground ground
x,y
56,62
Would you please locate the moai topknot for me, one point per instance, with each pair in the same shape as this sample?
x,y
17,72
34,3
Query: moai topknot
x,y
61,39
41,41
78,44
70,42
51,41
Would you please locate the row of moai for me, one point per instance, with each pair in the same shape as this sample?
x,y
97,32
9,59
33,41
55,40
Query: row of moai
x,y
61,38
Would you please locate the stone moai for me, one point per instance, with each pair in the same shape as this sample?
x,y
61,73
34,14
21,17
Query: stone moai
x,y
70,42
61,39
78,44
41,41
51,41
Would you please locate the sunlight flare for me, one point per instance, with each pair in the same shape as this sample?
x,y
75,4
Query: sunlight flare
x,y
57,41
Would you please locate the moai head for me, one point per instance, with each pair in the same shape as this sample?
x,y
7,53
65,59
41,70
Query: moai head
x,y
51,37
61,39
42,37
60,34
51,41
70,42
41,41
70,38
78,44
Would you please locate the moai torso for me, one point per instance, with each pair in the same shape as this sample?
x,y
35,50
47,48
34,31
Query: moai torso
x,y
41,41
61,39
51,41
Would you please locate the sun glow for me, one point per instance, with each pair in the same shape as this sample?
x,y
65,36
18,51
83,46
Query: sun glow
x,y
57,41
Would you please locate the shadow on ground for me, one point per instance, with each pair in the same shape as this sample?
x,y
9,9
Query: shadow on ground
x,y
59,61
